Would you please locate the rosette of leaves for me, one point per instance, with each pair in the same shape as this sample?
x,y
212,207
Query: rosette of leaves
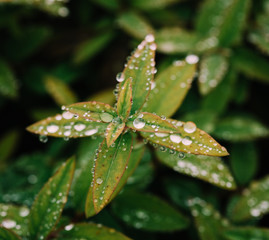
x,y
131,119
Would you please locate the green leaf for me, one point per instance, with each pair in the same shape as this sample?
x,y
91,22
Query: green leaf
x,y
217,100
84,164
59,91
240,128
104,96
243,233
95,111
224,20
66,125
253,203
251,64
134,24
213,67
8,83
8,144
149,122
49,203
110,165
208,221
112,5
259,38
188,138
242,155
148,212
6,234
209,169
14,218
152,4
170,88
88,49
175,40
113,131
125,101
140,68
90,231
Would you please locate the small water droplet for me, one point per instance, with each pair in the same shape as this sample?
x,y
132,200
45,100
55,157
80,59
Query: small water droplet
x,y
139,123
192,59
150,38
90,132
99,181
43,138
120,77
69,227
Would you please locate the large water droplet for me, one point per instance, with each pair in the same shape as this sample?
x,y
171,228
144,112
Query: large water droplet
x,y
67,115
150,38
175,138
192,59
7,223
120,77
69,227
24,212
139,123
79,127
106,117
91,132
186,141
189,127
52,128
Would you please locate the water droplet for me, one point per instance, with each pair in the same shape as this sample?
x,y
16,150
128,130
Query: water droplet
x,y
192,59
120,77
7,223
175,138
79,127
91,132
24,212
181,155
69,227
162,149
106,117
43,138
186,141
161,134
150,38
139,123
52,128
189,127
67,115
99,180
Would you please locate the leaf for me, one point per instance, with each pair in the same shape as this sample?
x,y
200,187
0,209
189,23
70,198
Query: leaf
x,y
151,4
8,83
88,49
217,100
148,122
90,231
84,164
259,38
113,131
110,165
225,20
59,91
135,25
148,212
188,138
209,169
49,203
8,144
242,233
212,70
6,234
170,88
112,5
125,101
95,111
253,203
240,128
251,64
14,218
66,125
175,40
208,221
140,68
104,96
242,155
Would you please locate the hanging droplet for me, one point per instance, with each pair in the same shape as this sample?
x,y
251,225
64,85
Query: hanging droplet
x,y
43,138
139,123
189,127
163,149
120,77
181,155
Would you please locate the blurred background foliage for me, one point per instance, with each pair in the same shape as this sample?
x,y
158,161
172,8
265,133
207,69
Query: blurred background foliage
x,y
57,52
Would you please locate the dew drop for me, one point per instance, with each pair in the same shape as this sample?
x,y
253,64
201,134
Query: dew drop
x,y
91,132
181,155
161,134
67,115
175,138
99,181
106,117
52,128
150,38
79,127
189,127
192,59
24,212
186,141
7,223
69,227
139,123
120,77
43,138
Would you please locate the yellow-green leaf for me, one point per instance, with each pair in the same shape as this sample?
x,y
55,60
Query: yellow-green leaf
x,y
212,70
113,131
148,212
209,223
209,169
104,96
14,218
140,68
149,122
125,100
49,203
152,4
134,24
95,111
66,125
59,91
6,234
170,88
188,138
90,231
110,165
253,203
243,233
